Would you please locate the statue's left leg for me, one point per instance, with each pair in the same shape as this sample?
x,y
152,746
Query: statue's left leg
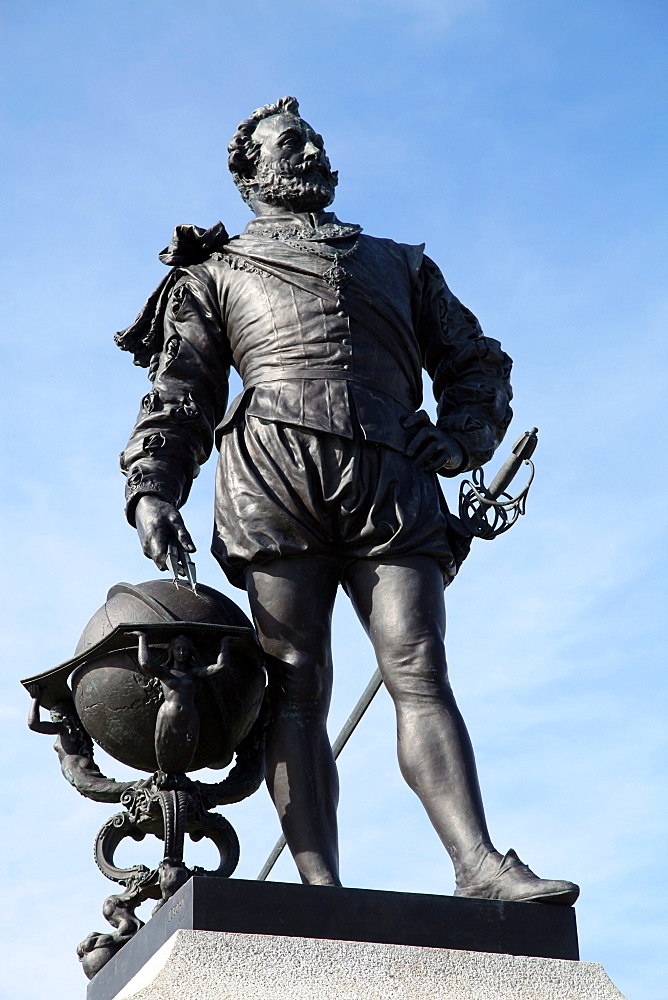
x,y
401,606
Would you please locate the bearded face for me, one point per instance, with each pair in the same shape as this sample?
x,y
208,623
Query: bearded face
x,y
302,187
291,166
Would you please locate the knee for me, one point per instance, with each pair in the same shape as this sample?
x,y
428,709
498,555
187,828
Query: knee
x,y
414,666
299,683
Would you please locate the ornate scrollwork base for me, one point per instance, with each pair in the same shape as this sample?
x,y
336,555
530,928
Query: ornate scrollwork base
x,y
167,806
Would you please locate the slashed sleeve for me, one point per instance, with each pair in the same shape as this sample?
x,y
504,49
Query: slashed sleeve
x,y
174,431
470,372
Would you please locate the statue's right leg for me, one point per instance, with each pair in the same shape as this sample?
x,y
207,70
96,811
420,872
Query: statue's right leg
x,y
292,601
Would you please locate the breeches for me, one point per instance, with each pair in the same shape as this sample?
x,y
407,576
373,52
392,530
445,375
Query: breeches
x,y
284,491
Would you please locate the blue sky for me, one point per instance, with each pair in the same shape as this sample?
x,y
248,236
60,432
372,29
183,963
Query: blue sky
x,y
525,144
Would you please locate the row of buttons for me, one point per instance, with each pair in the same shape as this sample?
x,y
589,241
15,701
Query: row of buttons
x,y
345,342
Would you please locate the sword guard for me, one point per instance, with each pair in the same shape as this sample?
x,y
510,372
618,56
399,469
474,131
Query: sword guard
x,y
486,516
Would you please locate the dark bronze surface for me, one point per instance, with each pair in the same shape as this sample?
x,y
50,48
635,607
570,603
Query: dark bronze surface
x,y
166,694
327,473
327,476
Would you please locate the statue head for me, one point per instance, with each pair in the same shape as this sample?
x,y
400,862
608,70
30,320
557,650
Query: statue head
x,y
276,158
73,737
180,650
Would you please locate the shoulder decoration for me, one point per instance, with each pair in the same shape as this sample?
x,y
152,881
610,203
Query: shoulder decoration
x,y
189,245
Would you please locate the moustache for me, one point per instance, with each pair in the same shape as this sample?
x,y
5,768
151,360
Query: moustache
x,y
307,167
303,185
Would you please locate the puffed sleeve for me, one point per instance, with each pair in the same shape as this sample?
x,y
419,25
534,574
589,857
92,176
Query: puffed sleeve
x,y
470,372
174,431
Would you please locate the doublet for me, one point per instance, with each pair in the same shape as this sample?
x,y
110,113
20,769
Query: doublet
x,y
329,330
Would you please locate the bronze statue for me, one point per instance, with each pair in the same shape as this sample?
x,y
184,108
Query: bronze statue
x,y
327,474
177,725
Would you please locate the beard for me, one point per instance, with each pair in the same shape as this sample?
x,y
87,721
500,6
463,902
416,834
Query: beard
x,y
305,188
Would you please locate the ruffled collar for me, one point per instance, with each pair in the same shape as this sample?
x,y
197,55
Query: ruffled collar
x,y
312,226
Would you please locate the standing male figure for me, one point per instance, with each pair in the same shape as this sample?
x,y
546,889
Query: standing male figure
x,y
327,474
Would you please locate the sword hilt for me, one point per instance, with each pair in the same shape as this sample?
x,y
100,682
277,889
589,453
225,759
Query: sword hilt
x,y
476,500
522,451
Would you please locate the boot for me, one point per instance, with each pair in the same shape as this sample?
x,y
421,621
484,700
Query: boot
x,y
514,881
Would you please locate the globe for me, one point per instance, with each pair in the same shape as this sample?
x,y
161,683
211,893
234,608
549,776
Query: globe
x,y
118,704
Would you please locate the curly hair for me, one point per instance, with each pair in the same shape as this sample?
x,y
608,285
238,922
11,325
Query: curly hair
x,y
243,150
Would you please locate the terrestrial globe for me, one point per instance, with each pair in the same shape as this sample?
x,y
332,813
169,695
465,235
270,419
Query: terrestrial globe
x,y
118,704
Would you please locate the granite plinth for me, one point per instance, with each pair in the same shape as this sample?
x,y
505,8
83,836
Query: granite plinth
x,y
244,908
219,966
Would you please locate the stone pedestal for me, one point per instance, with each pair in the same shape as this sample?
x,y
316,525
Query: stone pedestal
x,y
210,965
220,939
